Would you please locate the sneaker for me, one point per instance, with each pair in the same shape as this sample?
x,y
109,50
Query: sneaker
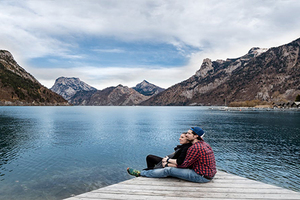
x,y
133,172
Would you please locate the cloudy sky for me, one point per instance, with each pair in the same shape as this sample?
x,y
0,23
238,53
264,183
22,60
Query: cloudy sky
x,y
111,42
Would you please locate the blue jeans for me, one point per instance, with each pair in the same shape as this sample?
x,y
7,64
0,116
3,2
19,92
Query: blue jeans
x,y
182,173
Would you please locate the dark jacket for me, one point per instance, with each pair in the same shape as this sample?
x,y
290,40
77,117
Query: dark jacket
x,y
180,152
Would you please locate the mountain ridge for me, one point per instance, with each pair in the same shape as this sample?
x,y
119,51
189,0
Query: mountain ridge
x,y
111,96
79,93
67,87
147,89
270,75
18,87
252,76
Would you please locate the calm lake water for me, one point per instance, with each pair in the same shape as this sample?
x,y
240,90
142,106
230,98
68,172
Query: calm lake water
x,y
56,152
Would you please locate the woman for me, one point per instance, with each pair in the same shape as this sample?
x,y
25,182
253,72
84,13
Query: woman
x,y
154,162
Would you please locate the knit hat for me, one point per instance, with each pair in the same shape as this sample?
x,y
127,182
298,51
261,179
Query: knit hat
x,y
198,131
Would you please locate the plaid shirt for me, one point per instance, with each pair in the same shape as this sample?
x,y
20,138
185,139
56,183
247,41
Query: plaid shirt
x,y
201,158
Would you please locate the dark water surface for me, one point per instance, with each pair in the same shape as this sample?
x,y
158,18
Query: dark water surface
x,y
56,152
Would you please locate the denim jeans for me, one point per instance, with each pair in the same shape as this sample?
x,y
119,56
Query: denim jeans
x,y
182,173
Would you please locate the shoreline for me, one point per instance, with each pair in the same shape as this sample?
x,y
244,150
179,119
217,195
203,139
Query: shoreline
x,y
225,108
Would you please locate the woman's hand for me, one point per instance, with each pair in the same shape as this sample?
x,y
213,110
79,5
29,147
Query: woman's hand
x,y
165,159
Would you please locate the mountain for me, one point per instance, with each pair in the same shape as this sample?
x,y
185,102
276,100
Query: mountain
x,y
270,75
18,87
111,96
147,89
67,87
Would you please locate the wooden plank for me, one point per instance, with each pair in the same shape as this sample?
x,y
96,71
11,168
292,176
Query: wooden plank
x,y
224,186
198,189
206,185
135,197
191,194
196,194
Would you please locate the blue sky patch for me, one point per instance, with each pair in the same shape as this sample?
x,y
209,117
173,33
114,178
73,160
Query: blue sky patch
x,y
107,52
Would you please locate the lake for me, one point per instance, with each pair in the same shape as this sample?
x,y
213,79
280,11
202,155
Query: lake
x,y
56,152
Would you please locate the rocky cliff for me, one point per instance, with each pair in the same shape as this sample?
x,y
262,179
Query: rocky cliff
x,y
147,89
112,96
265,74
68,87
18,87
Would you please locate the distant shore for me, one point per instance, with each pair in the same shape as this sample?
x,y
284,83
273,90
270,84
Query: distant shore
x,y
21,103
262,108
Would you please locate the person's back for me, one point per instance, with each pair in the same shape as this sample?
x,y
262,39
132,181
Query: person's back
x,y
200,157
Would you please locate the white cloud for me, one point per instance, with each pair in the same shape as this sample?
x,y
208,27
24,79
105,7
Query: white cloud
x,y
113,76
221,29
198,23
110,50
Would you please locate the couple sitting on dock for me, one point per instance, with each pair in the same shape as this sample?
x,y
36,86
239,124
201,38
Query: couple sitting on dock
x,y
193,160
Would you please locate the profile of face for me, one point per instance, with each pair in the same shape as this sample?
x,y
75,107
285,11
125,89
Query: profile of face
x,y
190,136
183,139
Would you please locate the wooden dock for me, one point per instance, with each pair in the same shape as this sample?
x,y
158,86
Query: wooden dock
x,y
223,186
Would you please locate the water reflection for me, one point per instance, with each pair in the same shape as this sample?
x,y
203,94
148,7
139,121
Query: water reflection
x,y
54,152
13,139
263,146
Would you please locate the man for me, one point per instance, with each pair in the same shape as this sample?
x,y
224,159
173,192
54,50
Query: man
x,y
199,165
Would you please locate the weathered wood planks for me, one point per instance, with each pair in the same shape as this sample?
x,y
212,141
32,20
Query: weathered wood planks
x,y
223,186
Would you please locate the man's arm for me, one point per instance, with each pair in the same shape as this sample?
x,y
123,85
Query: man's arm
x,y
164,164
170,162
191,157
180,158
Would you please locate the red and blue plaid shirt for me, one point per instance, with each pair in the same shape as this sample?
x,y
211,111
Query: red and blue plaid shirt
x,y
201,158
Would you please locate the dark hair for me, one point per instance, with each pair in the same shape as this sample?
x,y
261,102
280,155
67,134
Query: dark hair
x,y
198,138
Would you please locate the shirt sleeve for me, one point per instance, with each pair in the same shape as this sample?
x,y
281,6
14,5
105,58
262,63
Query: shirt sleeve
x,y
191,157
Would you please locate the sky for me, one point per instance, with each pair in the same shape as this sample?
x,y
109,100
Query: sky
x,y
110,42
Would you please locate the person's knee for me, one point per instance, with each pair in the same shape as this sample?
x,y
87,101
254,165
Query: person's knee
x,y
149,158
172,169
167,170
